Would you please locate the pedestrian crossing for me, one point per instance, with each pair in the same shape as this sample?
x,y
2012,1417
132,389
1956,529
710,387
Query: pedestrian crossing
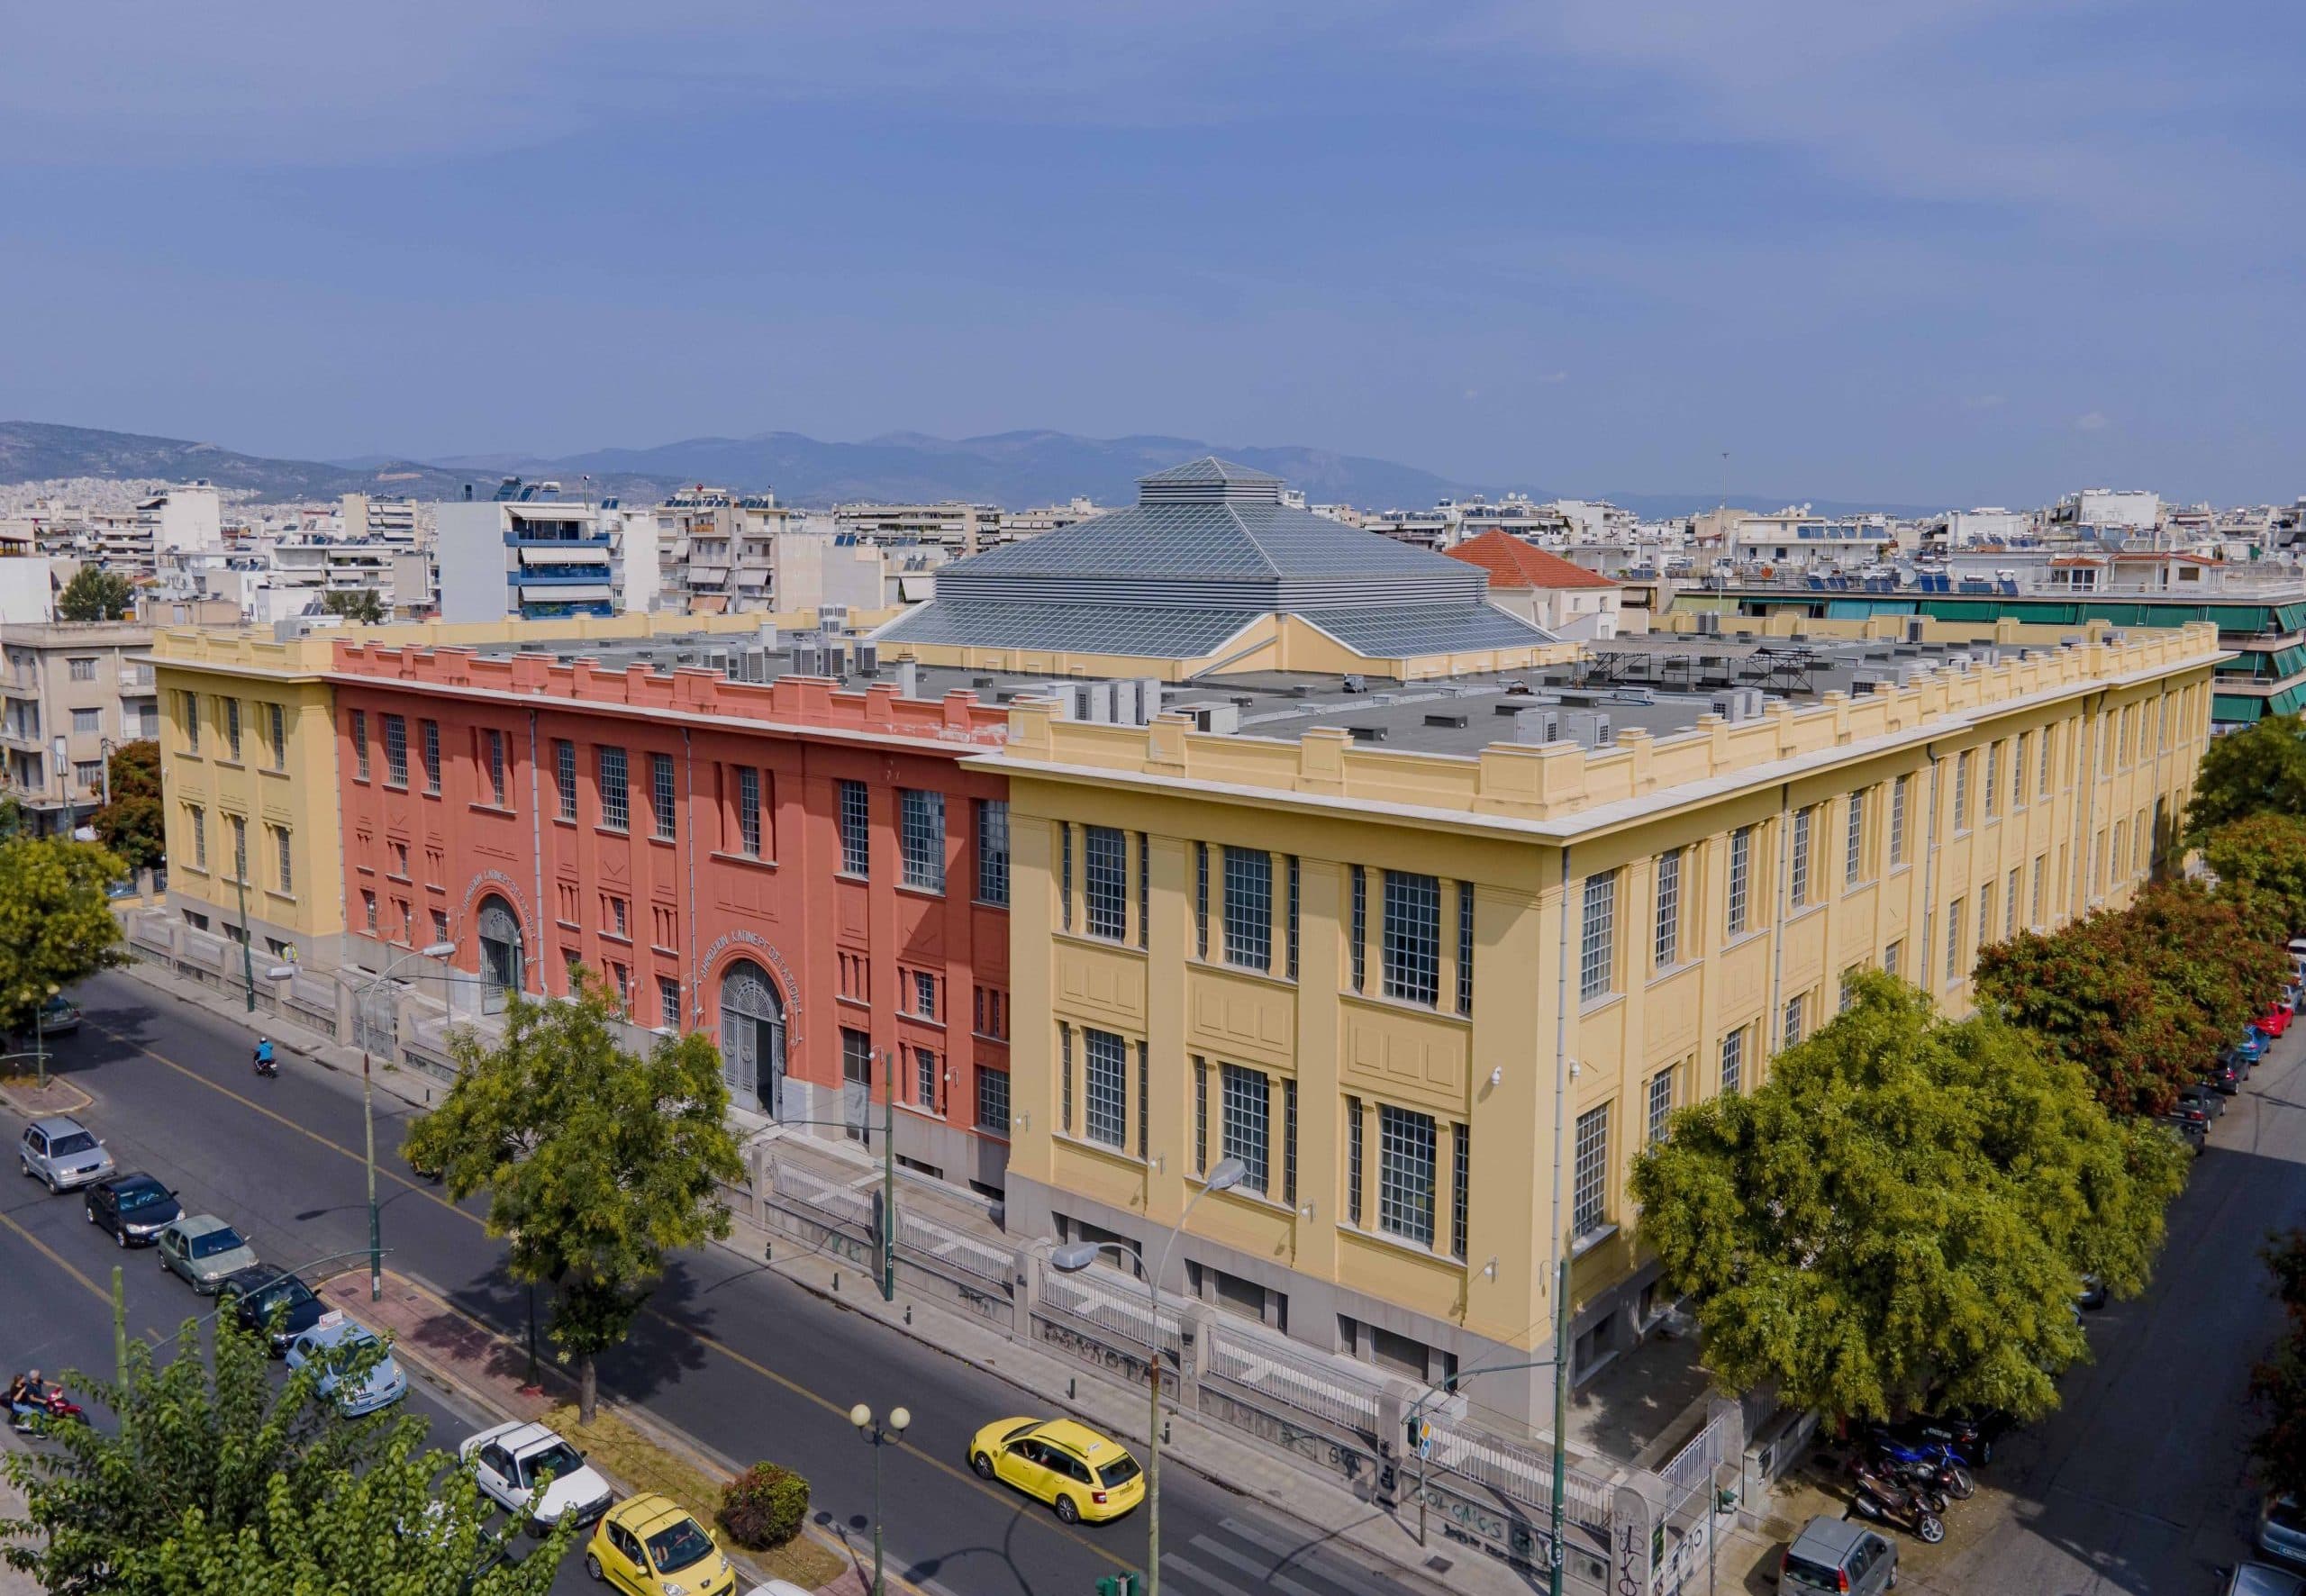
x,y
1251,1559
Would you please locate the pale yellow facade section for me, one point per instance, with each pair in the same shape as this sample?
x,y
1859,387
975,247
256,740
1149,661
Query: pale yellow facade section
x,y
2021,795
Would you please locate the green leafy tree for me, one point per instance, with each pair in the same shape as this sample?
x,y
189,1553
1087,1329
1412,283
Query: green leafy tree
x,y
187,1443
2080,995
597,1162
361,605
2267,854
95,594
56,924
2278,1384
2217,955
1903,1212
386,1530
132,824
2260,770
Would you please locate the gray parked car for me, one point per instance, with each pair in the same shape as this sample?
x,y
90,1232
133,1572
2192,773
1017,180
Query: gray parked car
x,y
1837,1555
204,1249
63,1152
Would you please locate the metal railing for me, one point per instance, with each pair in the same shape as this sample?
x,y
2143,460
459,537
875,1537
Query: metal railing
x,y
1322,1387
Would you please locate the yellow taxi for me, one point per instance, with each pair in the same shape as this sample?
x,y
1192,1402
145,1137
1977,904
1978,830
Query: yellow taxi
x,y
650,1546
1084,1475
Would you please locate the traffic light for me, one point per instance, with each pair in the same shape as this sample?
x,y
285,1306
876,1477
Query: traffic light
x,y
1421,1435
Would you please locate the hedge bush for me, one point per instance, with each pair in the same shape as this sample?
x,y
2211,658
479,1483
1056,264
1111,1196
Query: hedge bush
x,y
764,1506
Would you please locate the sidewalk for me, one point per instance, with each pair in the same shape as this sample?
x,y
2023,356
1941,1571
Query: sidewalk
x,y
1338,1513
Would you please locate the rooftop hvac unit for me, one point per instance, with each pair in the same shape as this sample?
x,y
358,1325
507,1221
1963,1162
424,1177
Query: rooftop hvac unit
x,y
1125,702
768,634
868,658
1864,686
1709,623
974,681
1589,728
1636,695
1148,698
1915,626
1097,703
1536,726
831,617
1357,684
836,659
1216,717
808,660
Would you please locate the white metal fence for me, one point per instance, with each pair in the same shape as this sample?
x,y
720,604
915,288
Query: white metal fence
x,y
1327,1387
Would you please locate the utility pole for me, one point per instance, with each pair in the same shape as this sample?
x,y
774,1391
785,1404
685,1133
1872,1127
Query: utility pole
x,y
119,1328
888,1177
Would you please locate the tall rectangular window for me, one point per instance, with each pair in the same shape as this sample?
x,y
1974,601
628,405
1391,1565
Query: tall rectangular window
x,y
1796,1011
1741,863
924,995
1201,899
668,1004
2017,750
1360,927
993,851
1412,939
1065,872
1985,912
1894,956
564,778
287,859
1800,862
1353,1134
924,1078
1733,1061
497,767
1464,947
1589,1191
2042,770
431,755
1106,1082
360,744
1954,941
396,750
239,846
1293,916
1065,1075
1962,790
1144,1101
1597,942
1666,950
1852,864
1461,1139
748,811
1406,1162
1898,789
1661,1103
616,791
1247,1123
1992,777
1289,1143
191,706
2010,905
278,717
664,798
1144,890
232,726
1249,908
199,838
1105,881
1200,1115
992,1100
923,833
855,831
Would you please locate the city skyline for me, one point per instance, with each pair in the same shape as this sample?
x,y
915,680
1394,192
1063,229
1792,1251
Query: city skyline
x,y
1601,250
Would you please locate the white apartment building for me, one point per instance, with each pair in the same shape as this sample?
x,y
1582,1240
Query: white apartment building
x,y
69,693
527,553
2128,509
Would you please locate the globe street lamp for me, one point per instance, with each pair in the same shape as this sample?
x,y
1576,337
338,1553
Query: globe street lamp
x,y
1072,1259
890,1433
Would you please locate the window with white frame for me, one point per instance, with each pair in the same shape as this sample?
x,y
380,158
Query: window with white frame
x,y
992,1100
2042,770
2018,752
496,740
396,750
1733,1061
993,860
1106,1079
1661,1103
1794,1014
2010,905
1246,1122
1589,1191
1407,1146
1898,790
1249,908
1105,880
668,1002
922,817
924,995
286,858
2041,886
1892,956
278,716
1798,885
564,778
616,793
748,811
856,830
432,750
360,744
1597,943
1953,939
1741,864
1992,777
1667,947
1413,936
1853,868
664,797
232,723
1962,790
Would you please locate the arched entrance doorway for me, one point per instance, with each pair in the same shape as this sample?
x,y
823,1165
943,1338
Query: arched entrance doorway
x,y
752,1037
502,969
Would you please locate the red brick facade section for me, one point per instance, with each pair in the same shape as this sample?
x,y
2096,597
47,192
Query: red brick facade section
x,y
844,953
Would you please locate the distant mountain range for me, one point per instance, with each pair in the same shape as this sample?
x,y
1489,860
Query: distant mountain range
x,y
1014,469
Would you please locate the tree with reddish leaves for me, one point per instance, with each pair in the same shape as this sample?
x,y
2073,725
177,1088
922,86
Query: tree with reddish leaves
x,y
2088,1002
2217,954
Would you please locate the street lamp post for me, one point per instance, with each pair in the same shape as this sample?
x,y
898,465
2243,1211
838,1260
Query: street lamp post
x,y
1072,1259
368,1098
890,1433
885,1265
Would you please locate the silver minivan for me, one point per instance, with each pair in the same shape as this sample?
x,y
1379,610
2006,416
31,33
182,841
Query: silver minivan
x,y
63,1152
1836,1555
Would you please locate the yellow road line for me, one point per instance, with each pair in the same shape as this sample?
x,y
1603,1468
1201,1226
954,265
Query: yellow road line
x,y
786,1383
58,1259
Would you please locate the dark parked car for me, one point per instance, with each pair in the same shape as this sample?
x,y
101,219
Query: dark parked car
x,y
259,1292
2194,1133
2226,1075
134,1207
1832,1555
2211,1101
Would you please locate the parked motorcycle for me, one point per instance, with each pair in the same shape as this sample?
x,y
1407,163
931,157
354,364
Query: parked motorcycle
x,y
1933,1464
27,1417
1890,1501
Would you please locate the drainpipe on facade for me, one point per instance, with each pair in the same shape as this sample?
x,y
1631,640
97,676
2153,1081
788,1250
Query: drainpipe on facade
x,y
1562,1368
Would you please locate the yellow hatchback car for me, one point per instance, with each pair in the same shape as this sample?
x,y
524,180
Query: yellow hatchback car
x,y
1084,1475
650,1546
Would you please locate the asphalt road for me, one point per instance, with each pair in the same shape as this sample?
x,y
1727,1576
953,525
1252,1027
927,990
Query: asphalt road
x,y
749,1364
2139,1483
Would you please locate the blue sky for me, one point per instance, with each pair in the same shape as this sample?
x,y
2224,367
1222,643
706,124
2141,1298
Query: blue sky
x,y
1956,252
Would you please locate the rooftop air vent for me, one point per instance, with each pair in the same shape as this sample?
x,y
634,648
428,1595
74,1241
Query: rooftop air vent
x,y
1458,720
1367,734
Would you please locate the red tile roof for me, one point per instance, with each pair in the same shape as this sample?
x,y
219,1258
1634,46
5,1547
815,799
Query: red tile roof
x,y
1511,563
